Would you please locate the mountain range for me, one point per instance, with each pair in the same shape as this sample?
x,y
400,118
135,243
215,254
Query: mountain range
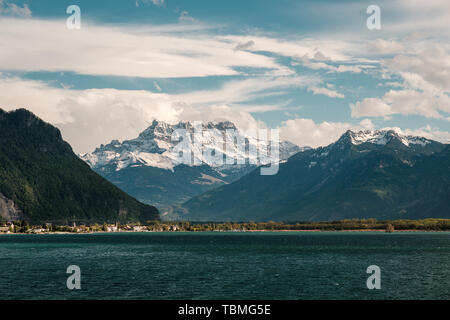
x,y
148,168
380,174
42,180
367,174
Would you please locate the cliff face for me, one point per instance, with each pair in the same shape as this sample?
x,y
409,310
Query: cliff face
x,y
9,210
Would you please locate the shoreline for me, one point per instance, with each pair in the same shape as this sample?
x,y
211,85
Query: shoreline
x,y
223,231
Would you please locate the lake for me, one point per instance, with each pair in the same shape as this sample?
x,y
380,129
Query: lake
x,y
260,265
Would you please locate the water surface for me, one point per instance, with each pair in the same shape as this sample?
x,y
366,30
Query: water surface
x,y
266,265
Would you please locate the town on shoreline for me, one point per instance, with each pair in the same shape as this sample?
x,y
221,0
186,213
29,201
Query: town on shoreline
x,y
23,227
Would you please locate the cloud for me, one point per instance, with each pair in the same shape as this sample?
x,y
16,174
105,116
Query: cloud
x,y
122,51
327,92
244,46
329,49
322,65
406,102
156,85
11,9
426,83
237,91
385,46
430,16
306,132
158,3
88,118
431,63
185,17
371,107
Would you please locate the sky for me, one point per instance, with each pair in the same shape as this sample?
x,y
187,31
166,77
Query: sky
x,y
312,69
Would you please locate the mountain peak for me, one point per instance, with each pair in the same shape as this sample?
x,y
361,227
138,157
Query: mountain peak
x,y
163,130
38,133
153,147
22,116
380,137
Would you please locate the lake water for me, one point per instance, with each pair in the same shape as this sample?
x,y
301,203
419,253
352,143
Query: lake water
x,y
266,265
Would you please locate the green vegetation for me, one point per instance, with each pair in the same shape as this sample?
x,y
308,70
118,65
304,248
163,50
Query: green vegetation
x,y
49,183
350,224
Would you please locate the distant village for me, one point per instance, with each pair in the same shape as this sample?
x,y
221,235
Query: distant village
x,y
23,227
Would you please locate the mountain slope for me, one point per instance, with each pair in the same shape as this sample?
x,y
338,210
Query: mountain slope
x,y
42,180
147,168
369,174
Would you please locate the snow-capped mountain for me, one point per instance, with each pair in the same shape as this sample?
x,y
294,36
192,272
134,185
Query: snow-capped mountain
x,y
384,136
154,147
379,174
149,167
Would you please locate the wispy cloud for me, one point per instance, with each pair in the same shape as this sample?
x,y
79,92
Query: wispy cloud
x,y
237,91
127,51
10,9
245,45
158,3
426,83
326,92
185,17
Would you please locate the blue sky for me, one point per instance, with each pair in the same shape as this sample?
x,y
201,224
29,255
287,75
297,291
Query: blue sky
x,y
311,68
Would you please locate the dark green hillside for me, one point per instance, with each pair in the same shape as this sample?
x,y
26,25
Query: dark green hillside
x,y
47,182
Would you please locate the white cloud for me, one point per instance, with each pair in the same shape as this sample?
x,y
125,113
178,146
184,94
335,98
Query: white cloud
x,y
124,51
367,124
406,102
306,132
432,64
426,83
11,9
385,46
340,68
327,92
371,107
236,91
326,49
185,17
88,118
158,3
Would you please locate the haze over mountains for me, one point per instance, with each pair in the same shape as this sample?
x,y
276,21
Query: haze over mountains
x,y
42,180
147,168
367,174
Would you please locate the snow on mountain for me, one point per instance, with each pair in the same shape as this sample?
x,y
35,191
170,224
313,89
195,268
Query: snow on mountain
x,y
155,147
382,137
368,140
